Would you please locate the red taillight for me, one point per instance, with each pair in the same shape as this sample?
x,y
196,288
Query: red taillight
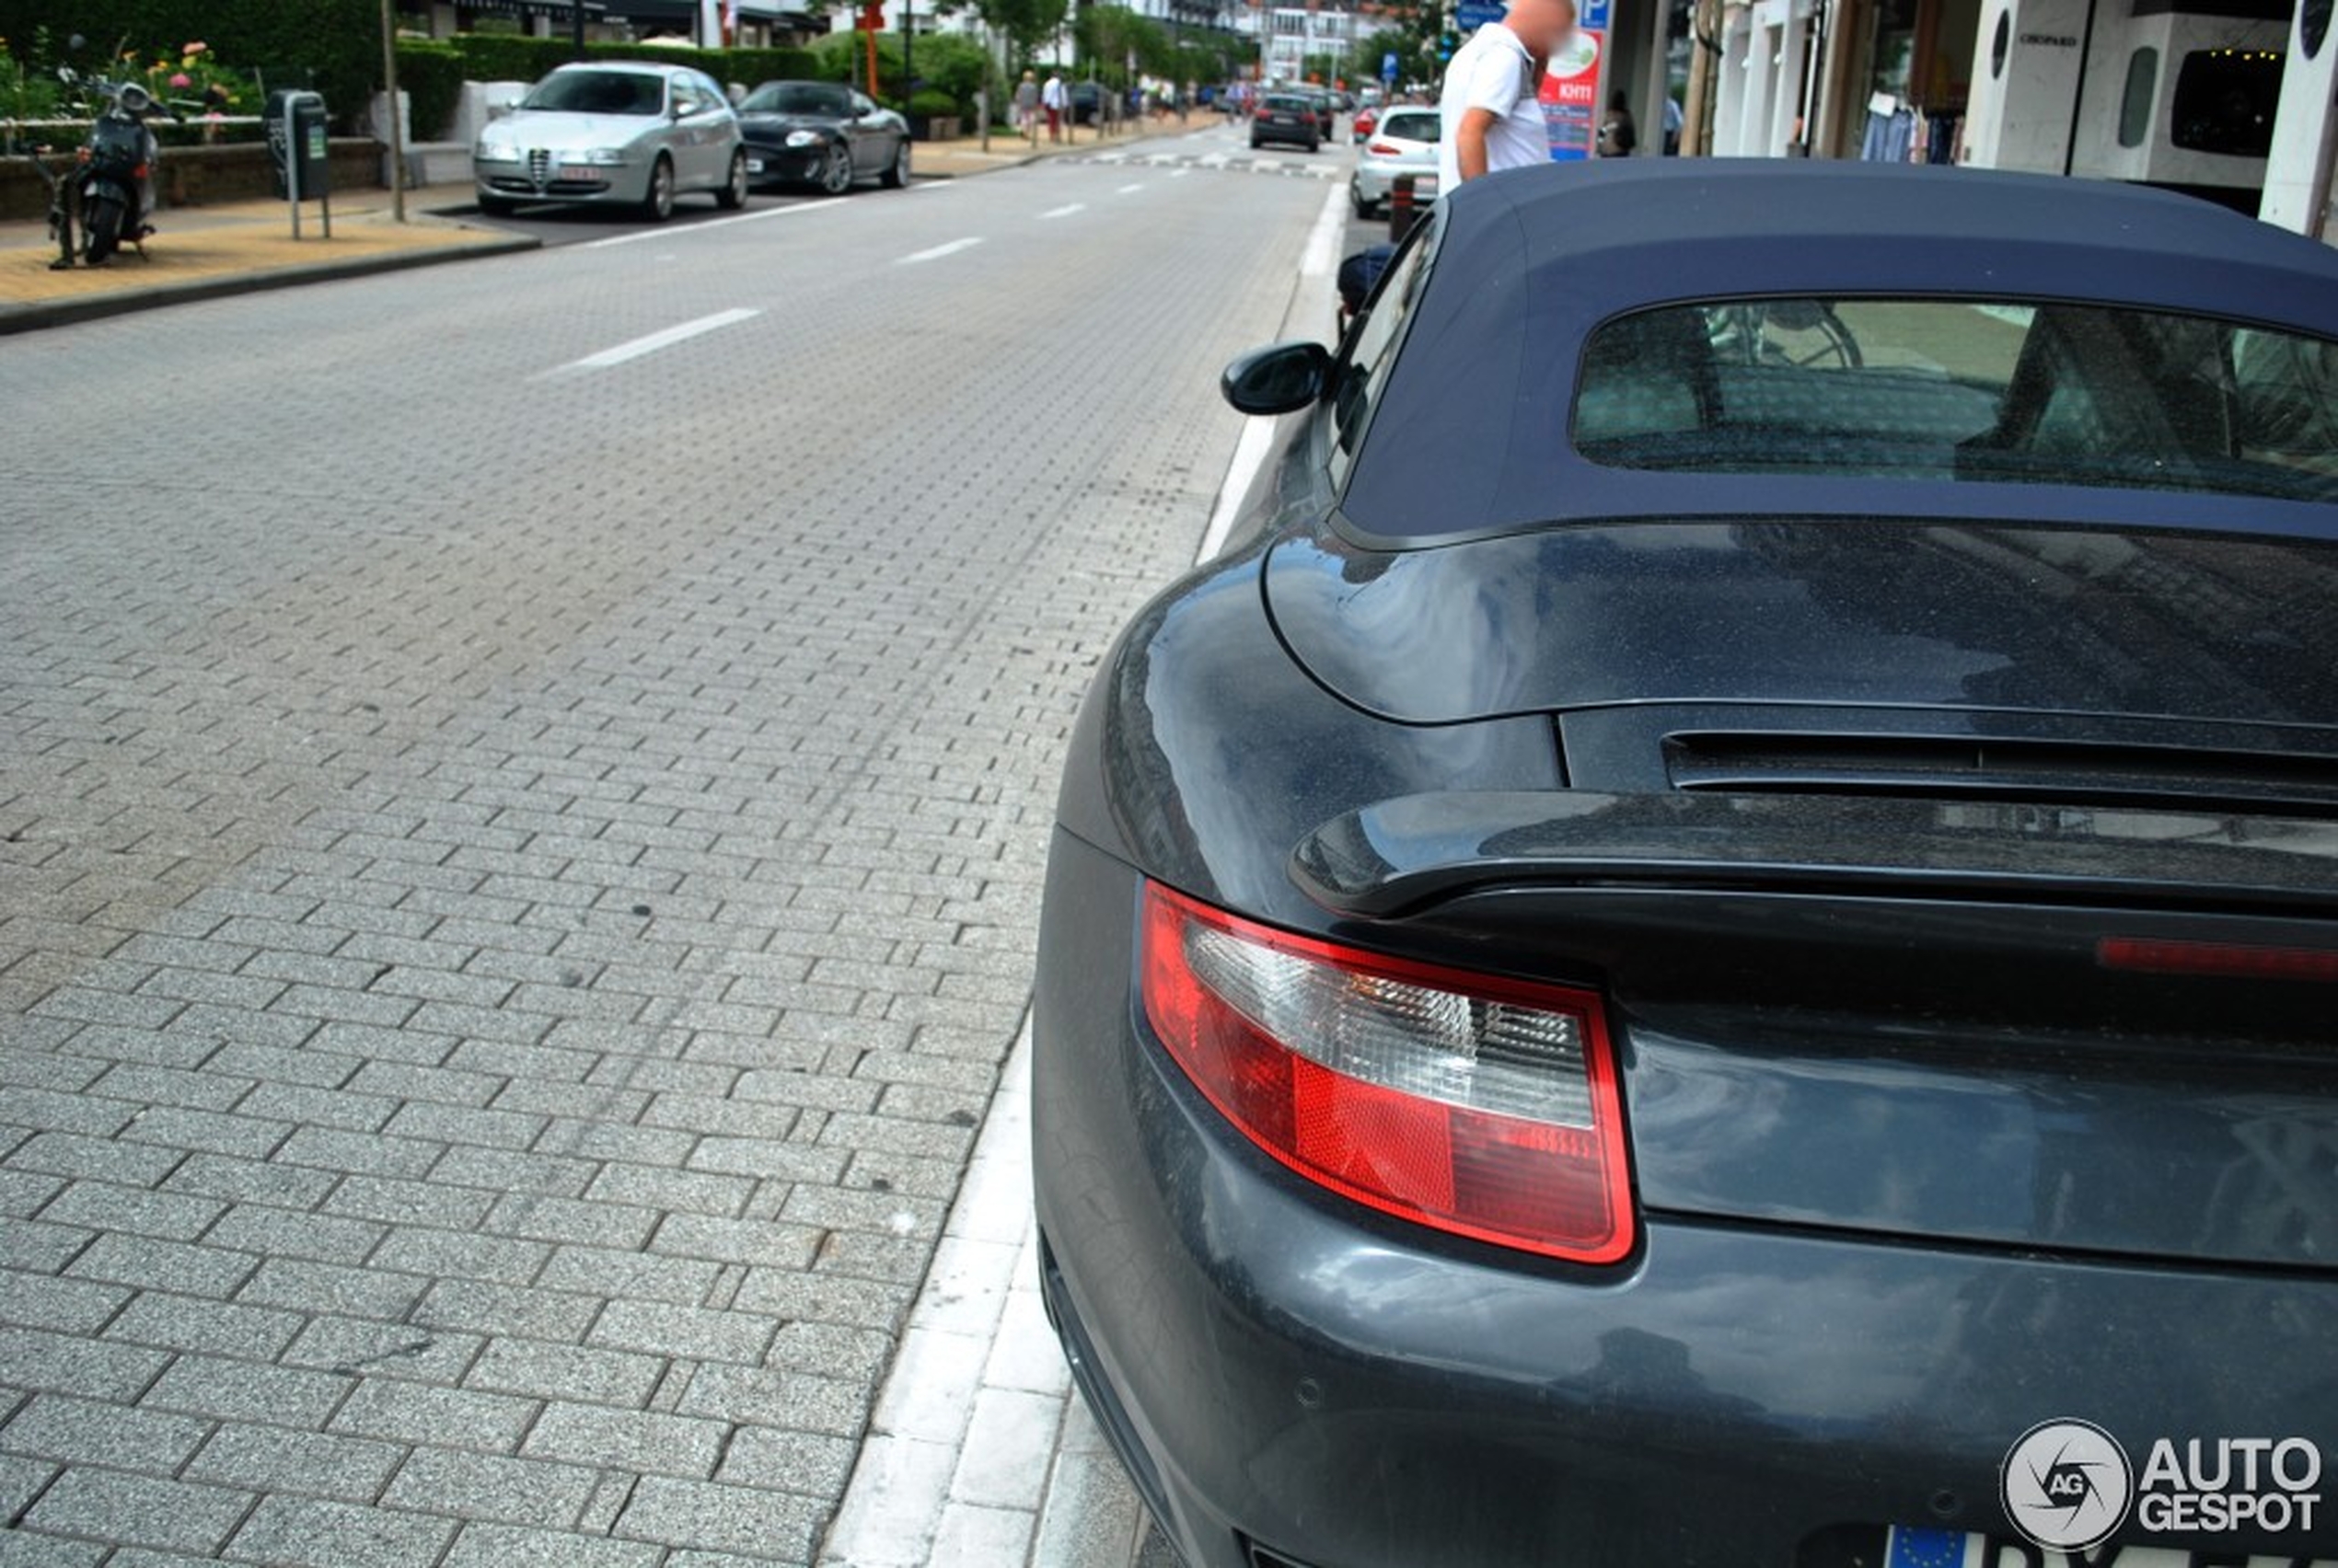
x,y
1485,1107
1384,149
2235,961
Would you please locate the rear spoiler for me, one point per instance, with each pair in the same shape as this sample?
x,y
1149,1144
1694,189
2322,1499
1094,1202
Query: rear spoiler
x,y
1400,855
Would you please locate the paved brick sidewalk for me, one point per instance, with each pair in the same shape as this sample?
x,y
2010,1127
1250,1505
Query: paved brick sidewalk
x,y
516,906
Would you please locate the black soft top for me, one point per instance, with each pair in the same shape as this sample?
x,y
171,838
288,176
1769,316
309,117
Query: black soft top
x,y
1469,436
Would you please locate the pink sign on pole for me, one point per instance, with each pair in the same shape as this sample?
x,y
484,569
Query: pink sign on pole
x,y
1570,94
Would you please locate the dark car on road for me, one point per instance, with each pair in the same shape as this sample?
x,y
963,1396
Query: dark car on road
x,y
824,134
1714,939
1292,118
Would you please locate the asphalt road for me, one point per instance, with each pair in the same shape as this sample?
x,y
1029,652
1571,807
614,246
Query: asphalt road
x,y
1211,145
523,793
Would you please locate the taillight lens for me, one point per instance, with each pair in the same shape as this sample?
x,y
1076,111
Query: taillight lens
x,y
1384,149
1485,1107
2232,961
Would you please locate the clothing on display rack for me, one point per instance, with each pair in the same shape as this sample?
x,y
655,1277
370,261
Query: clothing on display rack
x,y
1889,137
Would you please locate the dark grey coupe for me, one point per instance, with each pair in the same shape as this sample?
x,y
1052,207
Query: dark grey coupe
x,y
824,134
1715,940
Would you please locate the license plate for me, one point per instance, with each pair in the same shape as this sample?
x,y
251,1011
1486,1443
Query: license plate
x,y
755,166
584,172
1952,1549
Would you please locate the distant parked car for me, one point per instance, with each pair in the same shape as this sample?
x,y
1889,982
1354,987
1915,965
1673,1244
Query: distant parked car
x,y
822,134
1087,103
614,133
1366,118
1287,118
1404,142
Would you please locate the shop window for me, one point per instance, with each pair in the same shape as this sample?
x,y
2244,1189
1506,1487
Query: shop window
x,y
2135,108
2224,101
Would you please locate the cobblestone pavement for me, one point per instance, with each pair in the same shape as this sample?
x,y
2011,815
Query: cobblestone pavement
x,y
523,790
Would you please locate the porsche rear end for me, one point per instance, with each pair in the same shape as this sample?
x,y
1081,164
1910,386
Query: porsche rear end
x,y
1737,1166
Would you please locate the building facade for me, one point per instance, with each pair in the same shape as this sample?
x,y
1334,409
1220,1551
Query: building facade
x,y
1295,42
2230,100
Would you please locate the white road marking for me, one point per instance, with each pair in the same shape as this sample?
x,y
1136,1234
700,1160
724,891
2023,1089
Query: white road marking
x,y
1065,212
1129,189
666,340
709,224
1179,173
1322,255
937,252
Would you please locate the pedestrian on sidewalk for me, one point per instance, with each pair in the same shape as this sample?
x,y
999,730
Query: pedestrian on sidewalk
x,y
1489,114
1617,135
1055,100
1026,107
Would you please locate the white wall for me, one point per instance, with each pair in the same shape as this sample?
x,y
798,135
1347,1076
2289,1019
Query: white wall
x,y
2305,137
2019,117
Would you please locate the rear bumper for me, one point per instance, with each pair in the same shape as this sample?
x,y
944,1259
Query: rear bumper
x,y
1285,1369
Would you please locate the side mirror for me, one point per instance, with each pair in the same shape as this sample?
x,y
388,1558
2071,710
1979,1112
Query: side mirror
x,y
1279,379
501,105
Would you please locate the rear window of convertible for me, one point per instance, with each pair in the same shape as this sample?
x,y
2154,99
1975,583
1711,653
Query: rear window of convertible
x,y
1963,390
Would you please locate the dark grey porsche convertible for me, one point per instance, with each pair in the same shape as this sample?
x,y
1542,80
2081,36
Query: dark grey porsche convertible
x,y
824,134
1716,942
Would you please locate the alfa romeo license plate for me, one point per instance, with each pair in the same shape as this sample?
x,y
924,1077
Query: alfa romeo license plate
x,y
1906,1548
585,173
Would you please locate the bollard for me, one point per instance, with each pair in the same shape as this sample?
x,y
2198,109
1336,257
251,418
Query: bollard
x,y
1401,213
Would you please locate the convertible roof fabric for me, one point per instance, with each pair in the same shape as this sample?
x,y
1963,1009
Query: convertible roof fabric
x,y
1470,434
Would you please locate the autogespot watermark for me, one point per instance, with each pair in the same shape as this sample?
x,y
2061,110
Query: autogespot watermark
x,y
2068,1485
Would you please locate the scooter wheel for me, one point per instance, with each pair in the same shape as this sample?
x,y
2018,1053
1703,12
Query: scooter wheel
x,y
100,229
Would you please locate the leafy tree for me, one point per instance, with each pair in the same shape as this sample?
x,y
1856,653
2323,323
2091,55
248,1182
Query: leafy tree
x,y
1414,58
945,63
1026,24
1110,36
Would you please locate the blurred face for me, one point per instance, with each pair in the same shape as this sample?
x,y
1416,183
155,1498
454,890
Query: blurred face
x,y
1546,27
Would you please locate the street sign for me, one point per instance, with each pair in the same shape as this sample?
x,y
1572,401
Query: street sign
x,y
1471,15
1595,15
1388,69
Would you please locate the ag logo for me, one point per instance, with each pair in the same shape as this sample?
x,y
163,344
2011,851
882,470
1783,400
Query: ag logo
x,y
2067,1485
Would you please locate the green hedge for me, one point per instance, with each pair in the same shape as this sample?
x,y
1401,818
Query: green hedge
x,y
497,57
334,46
431,77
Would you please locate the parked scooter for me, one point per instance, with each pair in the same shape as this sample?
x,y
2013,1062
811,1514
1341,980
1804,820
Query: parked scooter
x,y
112,184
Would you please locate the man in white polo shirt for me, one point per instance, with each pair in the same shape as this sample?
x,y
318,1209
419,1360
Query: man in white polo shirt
x,y
1491,118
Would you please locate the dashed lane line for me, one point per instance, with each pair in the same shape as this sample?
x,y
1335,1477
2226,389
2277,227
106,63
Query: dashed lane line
x,y
711,224
635,348
939,251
